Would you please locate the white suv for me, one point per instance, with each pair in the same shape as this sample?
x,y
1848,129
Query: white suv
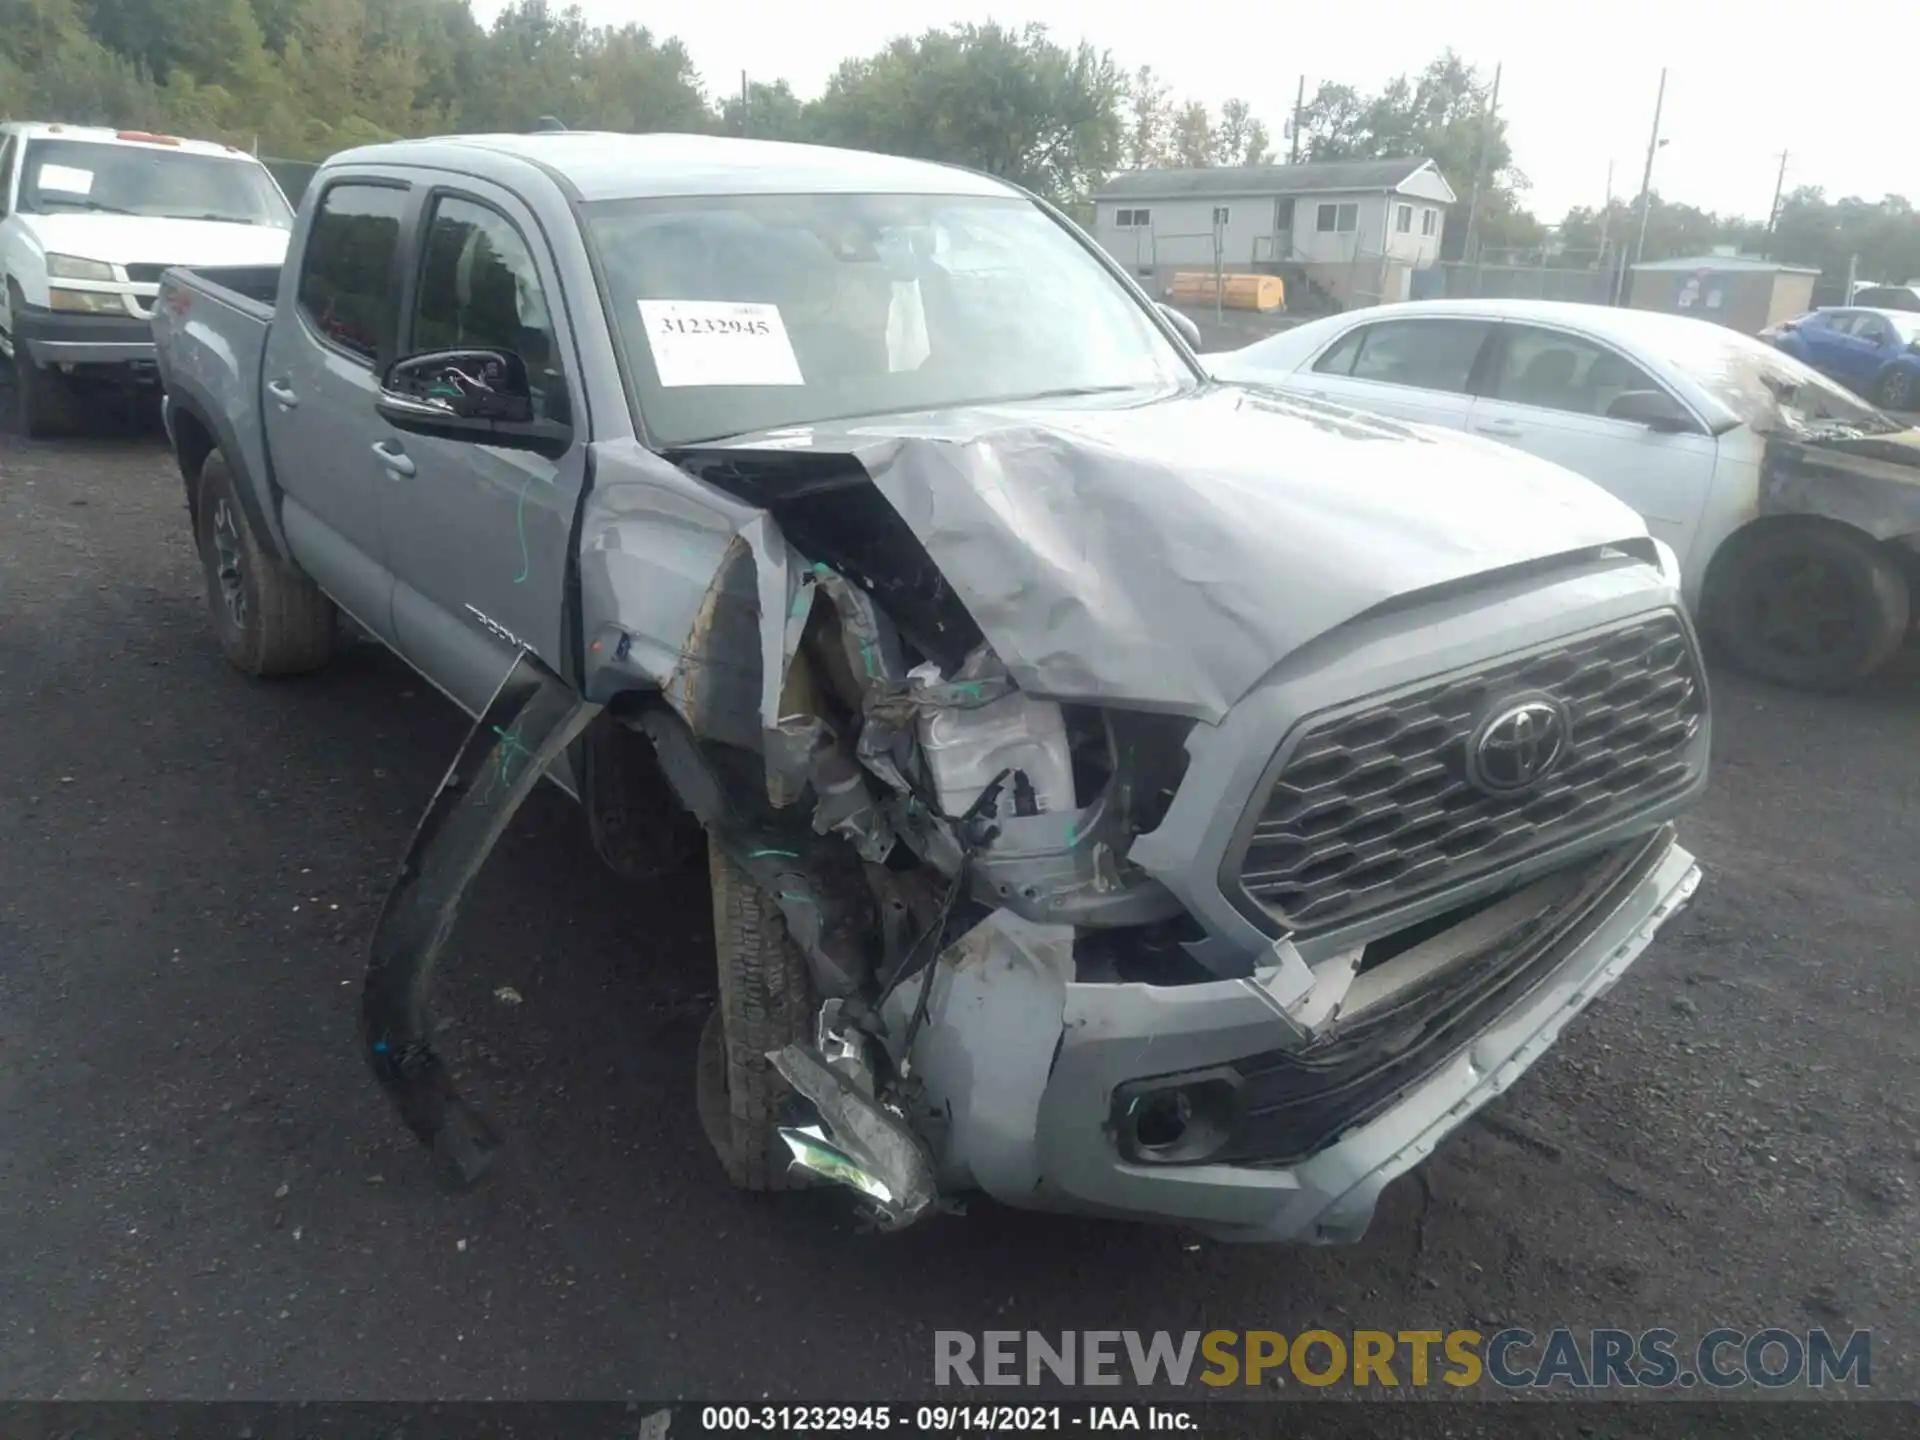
x,y
88,220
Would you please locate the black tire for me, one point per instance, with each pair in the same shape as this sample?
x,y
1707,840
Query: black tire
x,y
640,829
45,406
1898,390
1814,605
765,1002
270,618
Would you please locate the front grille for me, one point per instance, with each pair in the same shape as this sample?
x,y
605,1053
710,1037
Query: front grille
x,y
1293,1103
1372,807
146,274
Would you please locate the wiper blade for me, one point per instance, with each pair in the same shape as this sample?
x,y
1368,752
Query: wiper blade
x,y
86,202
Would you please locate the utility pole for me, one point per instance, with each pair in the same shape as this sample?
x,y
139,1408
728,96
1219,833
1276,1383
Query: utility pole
x,y
1773,212
745,126
1470,247
1606,219
1646,176
1299,104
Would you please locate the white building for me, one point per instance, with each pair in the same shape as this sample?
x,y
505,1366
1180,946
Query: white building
x,y
1356,228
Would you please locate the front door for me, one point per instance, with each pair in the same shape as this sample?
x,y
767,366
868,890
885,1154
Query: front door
x,y
485,531
319,379
1547,392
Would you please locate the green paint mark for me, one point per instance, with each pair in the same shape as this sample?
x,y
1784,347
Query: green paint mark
x,y
970,688
866,657
1071,837
512,745
783,854
797,899
520,523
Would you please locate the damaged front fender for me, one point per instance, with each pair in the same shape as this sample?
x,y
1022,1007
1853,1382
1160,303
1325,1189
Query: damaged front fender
x,y
532,718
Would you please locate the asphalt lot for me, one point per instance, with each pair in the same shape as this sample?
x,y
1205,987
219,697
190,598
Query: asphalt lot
x,y
203,1195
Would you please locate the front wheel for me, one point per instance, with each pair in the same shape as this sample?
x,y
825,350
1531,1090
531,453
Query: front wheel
x,y
1816,606
45,406
1899,390
765,1003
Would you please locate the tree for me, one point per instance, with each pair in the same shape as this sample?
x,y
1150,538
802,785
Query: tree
x,y
1239,139
771,112
1010,102
1440,115
1148,139
1192,135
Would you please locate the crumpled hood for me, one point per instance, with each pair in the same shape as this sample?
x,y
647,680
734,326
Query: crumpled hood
x,y
144,240
1166,555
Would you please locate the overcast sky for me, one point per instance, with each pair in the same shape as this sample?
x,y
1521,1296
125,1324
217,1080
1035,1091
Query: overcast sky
x,y
1745,80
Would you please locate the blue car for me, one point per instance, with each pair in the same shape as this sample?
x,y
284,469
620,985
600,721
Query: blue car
x,y
1875,353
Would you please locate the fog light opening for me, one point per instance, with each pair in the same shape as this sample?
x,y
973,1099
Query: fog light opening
x,y
1160,1120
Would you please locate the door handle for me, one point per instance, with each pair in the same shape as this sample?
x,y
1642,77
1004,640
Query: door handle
x,y
1496,427
283,394
389,453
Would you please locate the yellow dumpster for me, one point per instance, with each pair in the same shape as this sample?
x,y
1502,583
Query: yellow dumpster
x,y
1237,292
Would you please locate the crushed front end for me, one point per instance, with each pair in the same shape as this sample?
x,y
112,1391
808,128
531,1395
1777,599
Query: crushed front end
x,y
1227,930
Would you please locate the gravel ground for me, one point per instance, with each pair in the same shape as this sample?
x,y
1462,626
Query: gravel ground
x,y
203,1195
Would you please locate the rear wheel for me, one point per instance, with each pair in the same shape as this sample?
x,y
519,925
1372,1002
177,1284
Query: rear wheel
x,y
1817,606
271,619
765,1003
1899,390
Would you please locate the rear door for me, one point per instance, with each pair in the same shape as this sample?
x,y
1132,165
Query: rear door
x,y
335,324
481,535
1874,348
1415,368
1546,391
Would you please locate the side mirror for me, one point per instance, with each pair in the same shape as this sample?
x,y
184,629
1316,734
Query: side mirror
x,y
1189,331
479,396
1654,409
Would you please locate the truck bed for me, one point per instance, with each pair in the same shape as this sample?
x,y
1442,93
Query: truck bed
x,y
250,289
210,336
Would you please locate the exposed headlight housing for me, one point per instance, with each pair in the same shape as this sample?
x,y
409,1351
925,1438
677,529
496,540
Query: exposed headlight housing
x,y
87,302
72,267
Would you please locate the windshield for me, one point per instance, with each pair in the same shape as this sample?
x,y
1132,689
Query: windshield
x,y
63,177
1764,388
743,313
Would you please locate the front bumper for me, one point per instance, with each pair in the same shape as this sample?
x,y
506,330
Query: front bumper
x,y
56,338
1020,1064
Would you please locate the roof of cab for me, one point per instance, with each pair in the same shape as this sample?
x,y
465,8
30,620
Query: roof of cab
x,y
106,135
605,166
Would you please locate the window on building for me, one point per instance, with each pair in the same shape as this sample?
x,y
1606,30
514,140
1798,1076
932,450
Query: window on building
x,y
1429,220
1283,214
1132,219
346,276
1403,219
1424,354
1220,214
1341,219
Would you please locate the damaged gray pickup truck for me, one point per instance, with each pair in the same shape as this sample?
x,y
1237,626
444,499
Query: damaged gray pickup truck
x,y
1122,792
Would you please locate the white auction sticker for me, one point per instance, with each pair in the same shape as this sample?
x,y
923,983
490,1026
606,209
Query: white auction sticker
x,y
719,342
66,179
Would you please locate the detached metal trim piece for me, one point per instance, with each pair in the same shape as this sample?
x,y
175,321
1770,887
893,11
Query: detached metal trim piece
x,y
531,719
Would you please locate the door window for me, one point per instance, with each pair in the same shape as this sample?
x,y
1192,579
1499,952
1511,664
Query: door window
x,y
7,151
480,289
346,275
1872,329
1558,371
1423,354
